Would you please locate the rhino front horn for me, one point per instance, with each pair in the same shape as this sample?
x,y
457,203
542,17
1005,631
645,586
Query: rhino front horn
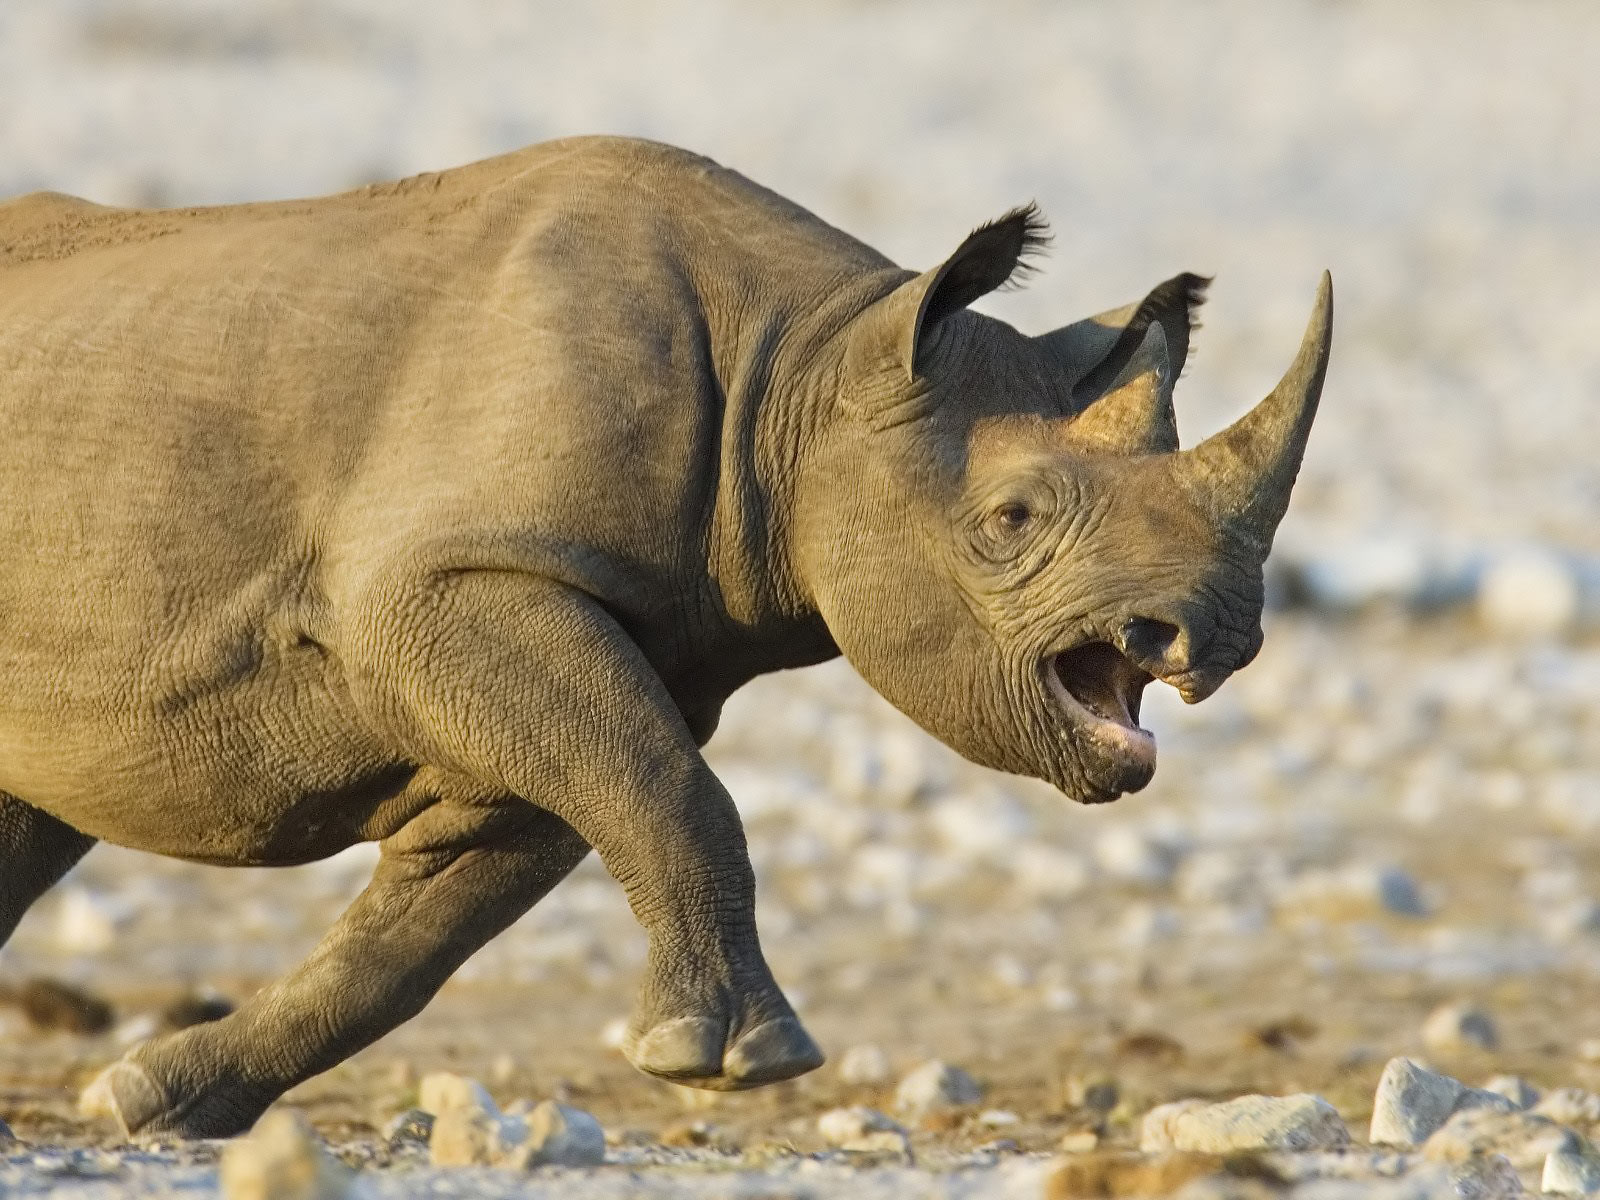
x,y
1245,473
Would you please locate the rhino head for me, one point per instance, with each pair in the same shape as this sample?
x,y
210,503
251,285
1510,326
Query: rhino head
x,y
1004,536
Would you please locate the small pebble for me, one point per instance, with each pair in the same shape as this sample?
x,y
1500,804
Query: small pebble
x,y
862,1130
281,1159
558,1135
866,1065
1099,1093
1079,1141
1457,1028
468,1137
1571,1173
614,1033
936,1087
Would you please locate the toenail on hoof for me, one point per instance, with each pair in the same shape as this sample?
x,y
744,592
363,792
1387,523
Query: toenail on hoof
x,y
772,1051
684,1048
124,1093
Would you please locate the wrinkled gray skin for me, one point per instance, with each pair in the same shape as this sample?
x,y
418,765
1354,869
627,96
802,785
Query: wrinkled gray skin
x,y
448,513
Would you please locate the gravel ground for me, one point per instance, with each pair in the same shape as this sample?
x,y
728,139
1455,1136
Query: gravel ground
x,y
1394,808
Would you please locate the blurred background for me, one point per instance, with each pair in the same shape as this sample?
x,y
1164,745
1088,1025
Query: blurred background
x,y
1397,806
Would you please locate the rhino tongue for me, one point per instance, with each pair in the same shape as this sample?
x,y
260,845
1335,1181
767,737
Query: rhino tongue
x,y
1102,679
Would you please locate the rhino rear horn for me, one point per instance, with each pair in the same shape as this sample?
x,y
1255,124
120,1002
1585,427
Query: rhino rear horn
x,y
1135,416
1244,474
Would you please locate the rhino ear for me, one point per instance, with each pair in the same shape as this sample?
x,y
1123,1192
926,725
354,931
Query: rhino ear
x,y
1093,354
992,256
1135,415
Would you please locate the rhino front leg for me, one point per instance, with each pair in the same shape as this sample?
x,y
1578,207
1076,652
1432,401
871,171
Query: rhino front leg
x,y
36,850
533,688
446,883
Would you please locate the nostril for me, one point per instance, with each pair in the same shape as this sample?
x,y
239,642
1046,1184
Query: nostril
x,y
1147,640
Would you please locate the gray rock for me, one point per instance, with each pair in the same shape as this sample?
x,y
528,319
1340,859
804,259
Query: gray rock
x,y
936,1086
1489,1178
557,1135
1301,1122
1411,1102
862,1130
7,1138
1568,1173
1526,1139
281,1159
1455,1028
1515,1089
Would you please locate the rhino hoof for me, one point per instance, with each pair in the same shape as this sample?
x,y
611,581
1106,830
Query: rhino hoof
x,y
124,1093
685,1048
772,1051
689,1051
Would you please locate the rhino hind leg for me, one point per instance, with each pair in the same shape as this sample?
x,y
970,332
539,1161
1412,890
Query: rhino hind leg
x,y
446,883
36,850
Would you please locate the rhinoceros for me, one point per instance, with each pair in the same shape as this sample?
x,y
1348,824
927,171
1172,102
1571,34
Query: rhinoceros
x,y
447,513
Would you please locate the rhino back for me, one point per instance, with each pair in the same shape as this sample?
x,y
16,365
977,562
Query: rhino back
x,y
224,423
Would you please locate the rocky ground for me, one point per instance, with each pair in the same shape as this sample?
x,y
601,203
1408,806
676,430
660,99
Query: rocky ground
x,y
1395,810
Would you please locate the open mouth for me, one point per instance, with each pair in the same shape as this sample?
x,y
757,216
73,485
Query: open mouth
x,y
1101,687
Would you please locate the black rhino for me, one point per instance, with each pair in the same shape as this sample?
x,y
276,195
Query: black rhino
x,y
448,513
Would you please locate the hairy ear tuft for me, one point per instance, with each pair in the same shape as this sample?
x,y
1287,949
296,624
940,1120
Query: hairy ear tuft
x,y
995,255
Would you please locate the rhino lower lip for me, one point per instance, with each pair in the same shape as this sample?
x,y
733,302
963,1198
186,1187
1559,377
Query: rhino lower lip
x,y
1102,687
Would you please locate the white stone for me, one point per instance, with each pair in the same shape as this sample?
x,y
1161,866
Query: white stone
x,y
281,1159
866,1065
1411,1102
558,1135
89,922
1571,1173
1300,1122
1457,1028
862,1130
936,1086
442,1091
1524,1138
614,1033
1515,1089
1530,592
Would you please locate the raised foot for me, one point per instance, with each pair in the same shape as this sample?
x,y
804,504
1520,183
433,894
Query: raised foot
x,y
690,1051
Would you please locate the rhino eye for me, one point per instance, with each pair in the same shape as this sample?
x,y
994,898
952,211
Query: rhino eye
x,y
1013,516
